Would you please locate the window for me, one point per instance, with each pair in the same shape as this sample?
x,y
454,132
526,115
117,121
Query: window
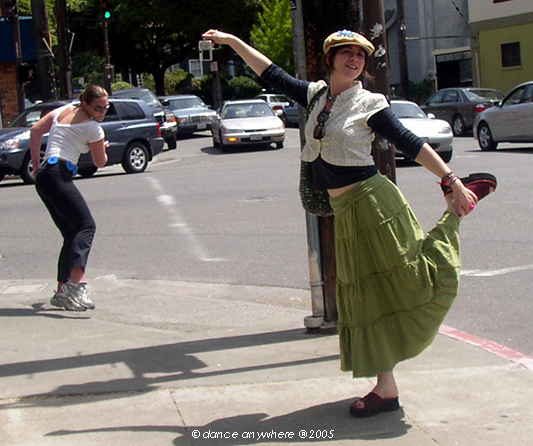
x,y
131,110
436,98
511,55
196,68
514,97
111,114
451,96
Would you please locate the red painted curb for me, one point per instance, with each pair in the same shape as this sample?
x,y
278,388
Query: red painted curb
x,y
492,347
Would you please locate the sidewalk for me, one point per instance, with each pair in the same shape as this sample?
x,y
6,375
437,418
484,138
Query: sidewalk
x,y
162,363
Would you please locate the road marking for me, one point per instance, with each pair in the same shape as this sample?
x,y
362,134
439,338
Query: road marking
x,y
495,272
170,204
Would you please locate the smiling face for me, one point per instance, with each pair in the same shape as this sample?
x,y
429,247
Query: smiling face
x,y
347,61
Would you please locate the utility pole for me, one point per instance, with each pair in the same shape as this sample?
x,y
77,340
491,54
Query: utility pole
x,y
402,50
65,75
11,15
313,21
45,57
108,68
374,29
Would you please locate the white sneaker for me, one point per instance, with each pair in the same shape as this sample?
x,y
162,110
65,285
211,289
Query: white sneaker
x,y
79,293
61,300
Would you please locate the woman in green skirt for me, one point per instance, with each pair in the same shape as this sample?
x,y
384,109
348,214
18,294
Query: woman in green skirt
x,y
394,286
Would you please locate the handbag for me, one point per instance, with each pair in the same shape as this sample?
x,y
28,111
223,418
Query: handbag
x,y
315,201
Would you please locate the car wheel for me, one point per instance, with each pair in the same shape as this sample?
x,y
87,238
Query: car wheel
x,y
87,172
2,175
171,143
26,171
484,138
223,147
458,126
279,145
135,158
215,142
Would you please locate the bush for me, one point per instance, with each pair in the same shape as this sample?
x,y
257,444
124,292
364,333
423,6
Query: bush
x,y
421,91
243,88
121,85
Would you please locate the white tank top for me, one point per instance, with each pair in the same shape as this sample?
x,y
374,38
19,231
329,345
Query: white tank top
x,y
69,141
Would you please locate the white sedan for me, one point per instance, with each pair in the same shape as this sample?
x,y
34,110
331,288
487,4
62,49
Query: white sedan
x,y
247,123
436,132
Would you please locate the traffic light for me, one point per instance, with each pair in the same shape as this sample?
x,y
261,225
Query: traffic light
x,y
9,10
106,9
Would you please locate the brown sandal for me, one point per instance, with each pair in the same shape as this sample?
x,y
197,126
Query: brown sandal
x,y
482,184
374,404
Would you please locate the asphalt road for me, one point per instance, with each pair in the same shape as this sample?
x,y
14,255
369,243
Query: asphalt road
x,y
199,215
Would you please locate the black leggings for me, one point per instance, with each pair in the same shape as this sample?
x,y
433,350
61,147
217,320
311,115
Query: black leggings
x,y
70,214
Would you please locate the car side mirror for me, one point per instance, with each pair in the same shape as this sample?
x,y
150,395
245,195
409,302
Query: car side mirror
x,y
431,116
165,102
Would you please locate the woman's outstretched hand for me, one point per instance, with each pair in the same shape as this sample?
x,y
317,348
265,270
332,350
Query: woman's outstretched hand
x,y
217,36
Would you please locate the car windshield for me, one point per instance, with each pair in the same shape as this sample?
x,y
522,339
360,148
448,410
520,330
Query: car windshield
x,y
30,116
407,110
279,98
179,104
483,95
250,110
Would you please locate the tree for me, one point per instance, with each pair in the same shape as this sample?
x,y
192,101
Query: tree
x,y
160,33
272,35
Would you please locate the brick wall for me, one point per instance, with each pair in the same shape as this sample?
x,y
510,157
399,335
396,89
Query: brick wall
x,y
8,91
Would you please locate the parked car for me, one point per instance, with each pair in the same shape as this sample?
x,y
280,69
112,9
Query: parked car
x,y
192,115
509,121
278,103
133,133
247,122
165,117
291,114
436,132
459,106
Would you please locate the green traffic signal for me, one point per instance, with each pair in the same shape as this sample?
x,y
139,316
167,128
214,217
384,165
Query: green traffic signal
x,y
107,15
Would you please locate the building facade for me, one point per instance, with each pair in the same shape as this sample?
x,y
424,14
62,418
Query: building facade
x,y
437,41
502,42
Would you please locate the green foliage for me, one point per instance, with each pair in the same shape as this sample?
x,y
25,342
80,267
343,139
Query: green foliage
x,y
243,87
272,35
421,91
176,82
122,85
89,66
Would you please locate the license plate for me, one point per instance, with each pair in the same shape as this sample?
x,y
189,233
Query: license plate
x,y
201,126
256,138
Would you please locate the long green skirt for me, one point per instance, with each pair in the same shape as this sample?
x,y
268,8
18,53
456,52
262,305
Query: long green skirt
x,y
394,287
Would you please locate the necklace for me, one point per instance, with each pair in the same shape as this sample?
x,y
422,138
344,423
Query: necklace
x,y
331,98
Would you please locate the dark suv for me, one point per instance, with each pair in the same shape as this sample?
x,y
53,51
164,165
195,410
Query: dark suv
x,y
165,117
133,133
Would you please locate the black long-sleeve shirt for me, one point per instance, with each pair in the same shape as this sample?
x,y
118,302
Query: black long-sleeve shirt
x,y
383,122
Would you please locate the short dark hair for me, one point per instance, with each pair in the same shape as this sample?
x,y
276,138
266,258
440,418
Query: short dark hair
x,y
91,93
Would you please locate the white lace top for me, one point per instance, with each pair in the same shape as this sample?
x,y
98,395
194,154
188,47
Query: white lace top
x,y
69,141
348,138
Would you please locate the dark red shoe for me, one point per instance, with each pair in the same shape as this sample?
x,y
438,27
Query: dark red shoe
x,y
481,184
374,404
